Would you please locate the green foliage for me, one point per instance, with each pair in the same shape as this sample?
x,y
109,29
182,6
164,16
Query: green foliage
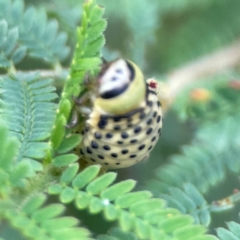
x,y
43,222
117,234
26,107
34,33
10,51
205,163
10,175
216,98
231,234
135,211
204,22
86,59
36,159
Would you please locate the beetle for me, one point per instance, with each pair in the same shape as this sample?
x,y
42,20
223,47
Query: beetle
x,y
125,119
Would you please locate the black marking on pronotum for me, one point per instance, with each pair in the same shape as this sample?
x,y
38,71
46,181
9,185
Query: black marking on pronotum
x,y
114,92
119,71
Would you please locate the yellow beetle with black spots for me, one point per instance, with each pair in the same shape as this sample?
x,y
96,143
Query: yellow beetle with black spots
x,y
125,120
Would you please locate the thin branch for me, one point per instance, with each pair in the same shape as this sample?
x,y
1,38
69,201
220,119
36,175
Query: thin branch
x,y
226,203
220,61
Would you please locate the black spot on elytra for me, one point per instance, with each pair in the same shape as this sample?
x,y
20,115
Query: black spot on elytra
x,y
133,156
149,130
124,135
154,114
141,147
153,139
109,135
94,144
159,131
106,147
149,121
150,103
102,123
101,156
137,129
114,155
89,150
117,127
133,141
142,115
124,151
158,118
116,119
98,135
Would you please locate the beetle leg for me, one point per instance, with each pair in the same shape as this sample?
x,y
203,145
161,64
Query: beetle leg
x,y
74,120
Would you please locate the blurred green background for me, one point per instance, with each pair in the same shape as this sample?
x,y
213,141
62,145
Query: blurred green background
x,y
160,36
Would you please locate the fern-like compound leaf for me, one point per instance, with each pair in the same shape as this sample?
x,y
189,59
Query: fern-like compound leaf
x,y
86,59
232,234
138,212
31,33
117,234
41,222
10,50
29,113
